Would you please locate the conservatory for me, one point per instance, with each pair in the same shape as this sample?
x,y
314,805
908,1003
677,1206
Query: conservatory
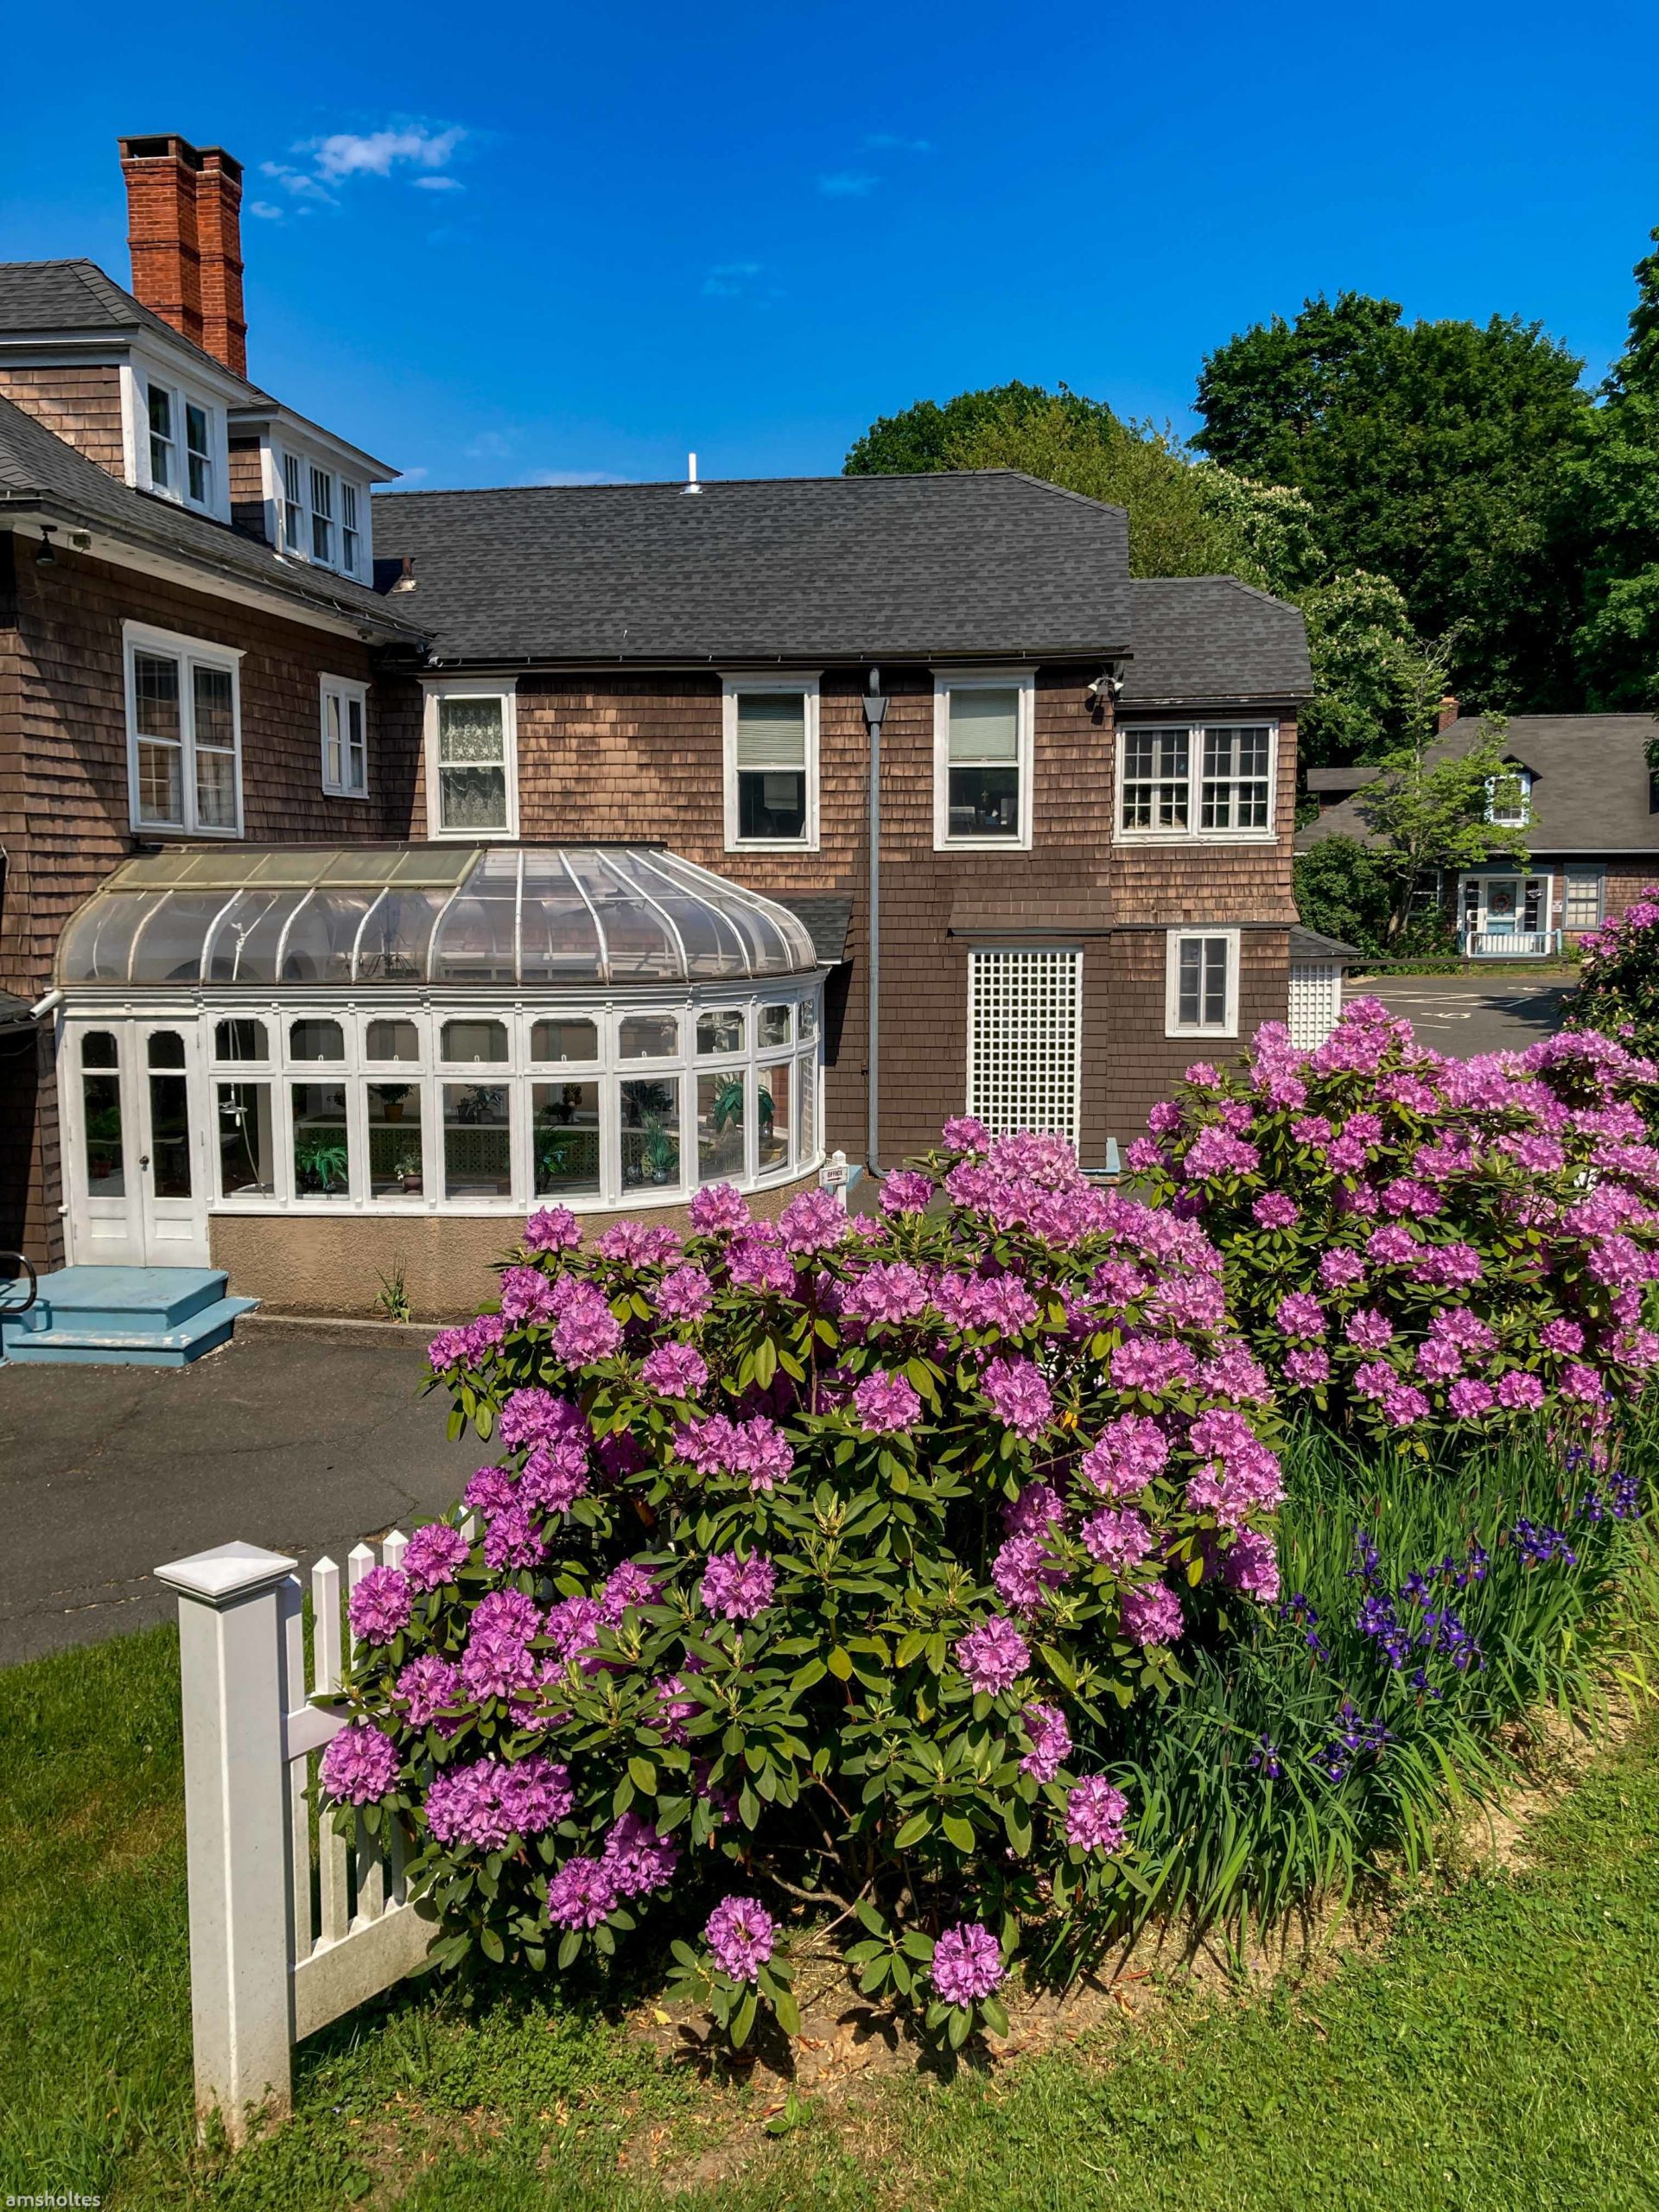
x,y
399,1033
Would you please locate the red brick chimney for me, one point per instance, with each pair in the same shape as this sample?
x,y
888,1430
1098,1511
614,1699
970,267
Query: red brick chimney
x,y
1448,713
218,236
161,175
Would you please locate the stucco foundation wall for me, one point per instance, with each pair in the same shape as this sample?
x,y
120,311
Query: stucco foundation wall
x,y
306,1263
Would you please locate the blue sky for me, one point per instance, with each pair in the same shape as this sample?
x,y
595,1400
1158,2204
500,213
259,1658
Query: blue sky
x,y
525,244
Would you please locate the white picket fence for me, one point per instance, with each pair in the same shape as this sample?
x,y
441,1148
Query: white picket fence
x,y
291,1924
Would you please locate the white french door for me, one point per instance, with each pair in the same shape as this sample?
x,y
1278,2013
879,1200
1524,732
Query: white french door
x,y
136,1160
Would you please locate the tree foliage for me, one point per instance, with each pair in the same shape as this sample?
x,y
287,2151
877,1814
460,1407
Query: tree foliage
x,y
1618,642
1346,890
1435,454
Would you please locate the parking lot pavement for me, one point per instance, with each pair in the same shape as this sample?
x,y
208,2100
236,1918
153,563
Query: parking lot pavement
x,y
304,1438
1465,1015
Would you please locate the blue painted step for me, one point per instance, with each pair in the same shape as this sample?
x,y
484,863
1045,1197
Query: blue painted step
x,y
127,1317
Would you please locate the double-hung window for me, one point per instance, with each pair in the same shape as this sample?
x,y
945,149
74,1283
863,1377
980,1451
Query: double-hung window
x,y
1508,798
184,733
344,738
1197,780
472,760
348,533
163,446
1201,984
982,757
292,503
322,516
1583,898
772,761
198,454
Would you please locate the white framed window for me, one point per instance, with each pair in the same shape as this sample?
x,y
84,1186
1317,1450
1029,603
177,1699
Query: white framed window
x,y
1199,781
1584,898
1508,798
472,759
184,733
1201,984
322,515
198,455
771,724
292,503
344,738
1025,1039
163,445
982,727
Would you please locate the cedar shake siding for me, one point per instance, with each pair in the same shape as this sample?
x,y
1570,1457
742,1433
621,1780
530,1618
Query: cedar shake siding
x,y
82,406
626,756
248,488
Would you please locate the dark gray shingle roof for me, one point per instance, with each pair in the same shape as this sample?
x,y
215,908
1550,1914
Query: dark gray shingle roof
x,y
1213,639
48,296
983,562
827,917
38,469
1592,790
1314,945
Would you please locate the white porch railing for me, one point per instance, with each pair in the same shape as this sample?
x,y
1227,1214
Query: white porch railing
x,y
1519,945
291,1924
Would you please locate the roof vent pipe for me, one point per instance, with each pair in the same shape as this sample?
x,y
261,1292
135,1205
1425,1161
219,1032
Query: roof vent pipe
x,y
691,483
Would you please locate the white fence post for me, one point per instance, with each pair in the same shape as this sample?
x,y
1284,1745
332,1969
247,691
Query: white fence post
x,y
230,1652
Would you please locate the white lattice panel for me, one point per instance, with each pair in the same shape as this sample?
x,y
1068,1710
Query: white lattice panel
x,y
1315,1002
1025,1038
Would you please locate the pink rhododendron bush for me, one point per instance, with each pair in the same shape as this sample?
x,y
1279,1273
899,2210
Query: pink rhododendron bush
x,y
1618,993
1424,1248
812,1563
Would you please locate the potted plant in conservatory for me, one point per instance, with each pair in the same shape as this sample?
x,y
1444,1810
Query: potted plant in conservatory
x,y
410,1179
393,1097
321,1162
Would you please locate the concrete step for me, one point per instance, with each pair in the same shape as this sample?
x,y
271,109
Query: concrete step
x,y
71,1340
121,1301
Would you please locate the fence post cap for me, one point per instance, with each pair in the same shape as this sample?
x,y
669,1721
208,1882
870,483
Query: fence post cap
x,y
227,1573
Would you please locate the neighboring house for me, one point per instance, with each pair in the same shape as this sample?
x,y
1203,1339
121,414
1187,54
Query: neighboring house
x,y
1583,801
404,864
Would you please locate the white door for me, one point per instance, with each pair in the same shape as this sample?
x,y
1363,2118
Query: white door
x,y
137,1161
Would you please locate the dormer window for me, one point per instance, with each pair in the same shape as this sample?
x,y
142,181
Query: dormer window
x,y
1509,799
198,454
178,451
322,515
162,453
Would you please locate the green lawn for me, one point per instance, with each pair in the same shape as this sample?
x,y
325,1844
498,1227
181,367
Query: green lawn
x,y
1499,2054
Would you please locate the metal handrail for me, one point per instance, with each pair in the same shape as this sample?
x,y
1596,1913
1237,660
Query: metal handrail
x,y
8,1279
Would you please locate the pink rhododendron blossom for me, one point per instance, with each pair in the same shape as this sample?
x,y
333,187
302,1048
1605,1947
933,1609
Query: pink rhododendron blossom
x,y
887,1404
993,1657
1094,1814
718,1210
1019,1396
1300,1315
1049,1737
738,1589
740,1934
676,1371
1152,1614
1118,1537
906,1192
967,1964
359,1765
1272,1209
436,1554
380,1605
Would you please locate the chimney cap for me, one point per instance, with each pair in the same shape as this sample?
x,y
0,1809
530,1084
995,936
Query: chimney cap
x,y
160,146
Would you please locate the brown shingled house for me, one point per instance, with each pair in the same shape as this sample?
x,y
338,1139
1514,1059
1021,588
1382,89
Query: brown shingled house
x,y
380,867
1583,799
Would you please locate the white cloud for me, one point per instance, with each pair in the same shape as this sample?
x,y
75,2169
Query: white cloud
x,y
295,182
555,476
847,184
264,211
886,142
438,184
489,445
730,280
349,153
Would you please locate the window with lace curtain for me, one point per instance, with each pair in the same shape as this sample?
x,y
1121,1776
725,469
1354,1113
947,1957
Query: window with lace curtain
x,y
471,766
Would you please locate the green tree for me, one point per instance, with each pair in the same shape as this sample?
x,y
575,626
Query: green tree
x,y
919,440
1617,643
1426,812
1369,670
1346,890
1437,455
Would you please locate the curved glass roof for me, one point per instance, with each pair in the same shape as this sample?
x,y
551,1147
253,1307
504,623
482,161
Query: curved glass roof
x,y
410,914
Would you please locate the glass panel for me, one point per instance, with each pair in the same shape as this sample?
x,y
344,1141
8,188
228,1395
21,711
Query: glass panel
x,y
245,944
773,805
474,942
558,941
566,1139
397,1161
157,716
166,1049
167,949
772,730
315,1041
1215,982
984,803
238,1039
722,934
772,1116
247,1153
774,1025
469,1041
806,1018
574,1040
806,1075
473,798
638,939
215,727
722,1032
721,1101
649,1118
985,725
470,731
319,946
97,944
169,1122
391,1041
477,1141
396,940
100,1098
649,1036
322,1158
1192,957
98,1049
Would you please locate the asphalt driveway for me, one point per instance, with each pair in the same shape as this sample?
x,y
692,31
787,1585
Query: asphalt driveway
x,y
1465,1015
306,1439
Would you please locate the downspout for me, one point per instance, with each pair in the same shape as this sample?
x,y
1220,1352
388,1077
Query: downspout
x,y
876,707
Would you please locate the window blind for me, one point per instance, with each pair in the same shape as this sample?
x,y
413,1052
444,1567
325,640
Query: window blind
x,y
772,730
984,725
